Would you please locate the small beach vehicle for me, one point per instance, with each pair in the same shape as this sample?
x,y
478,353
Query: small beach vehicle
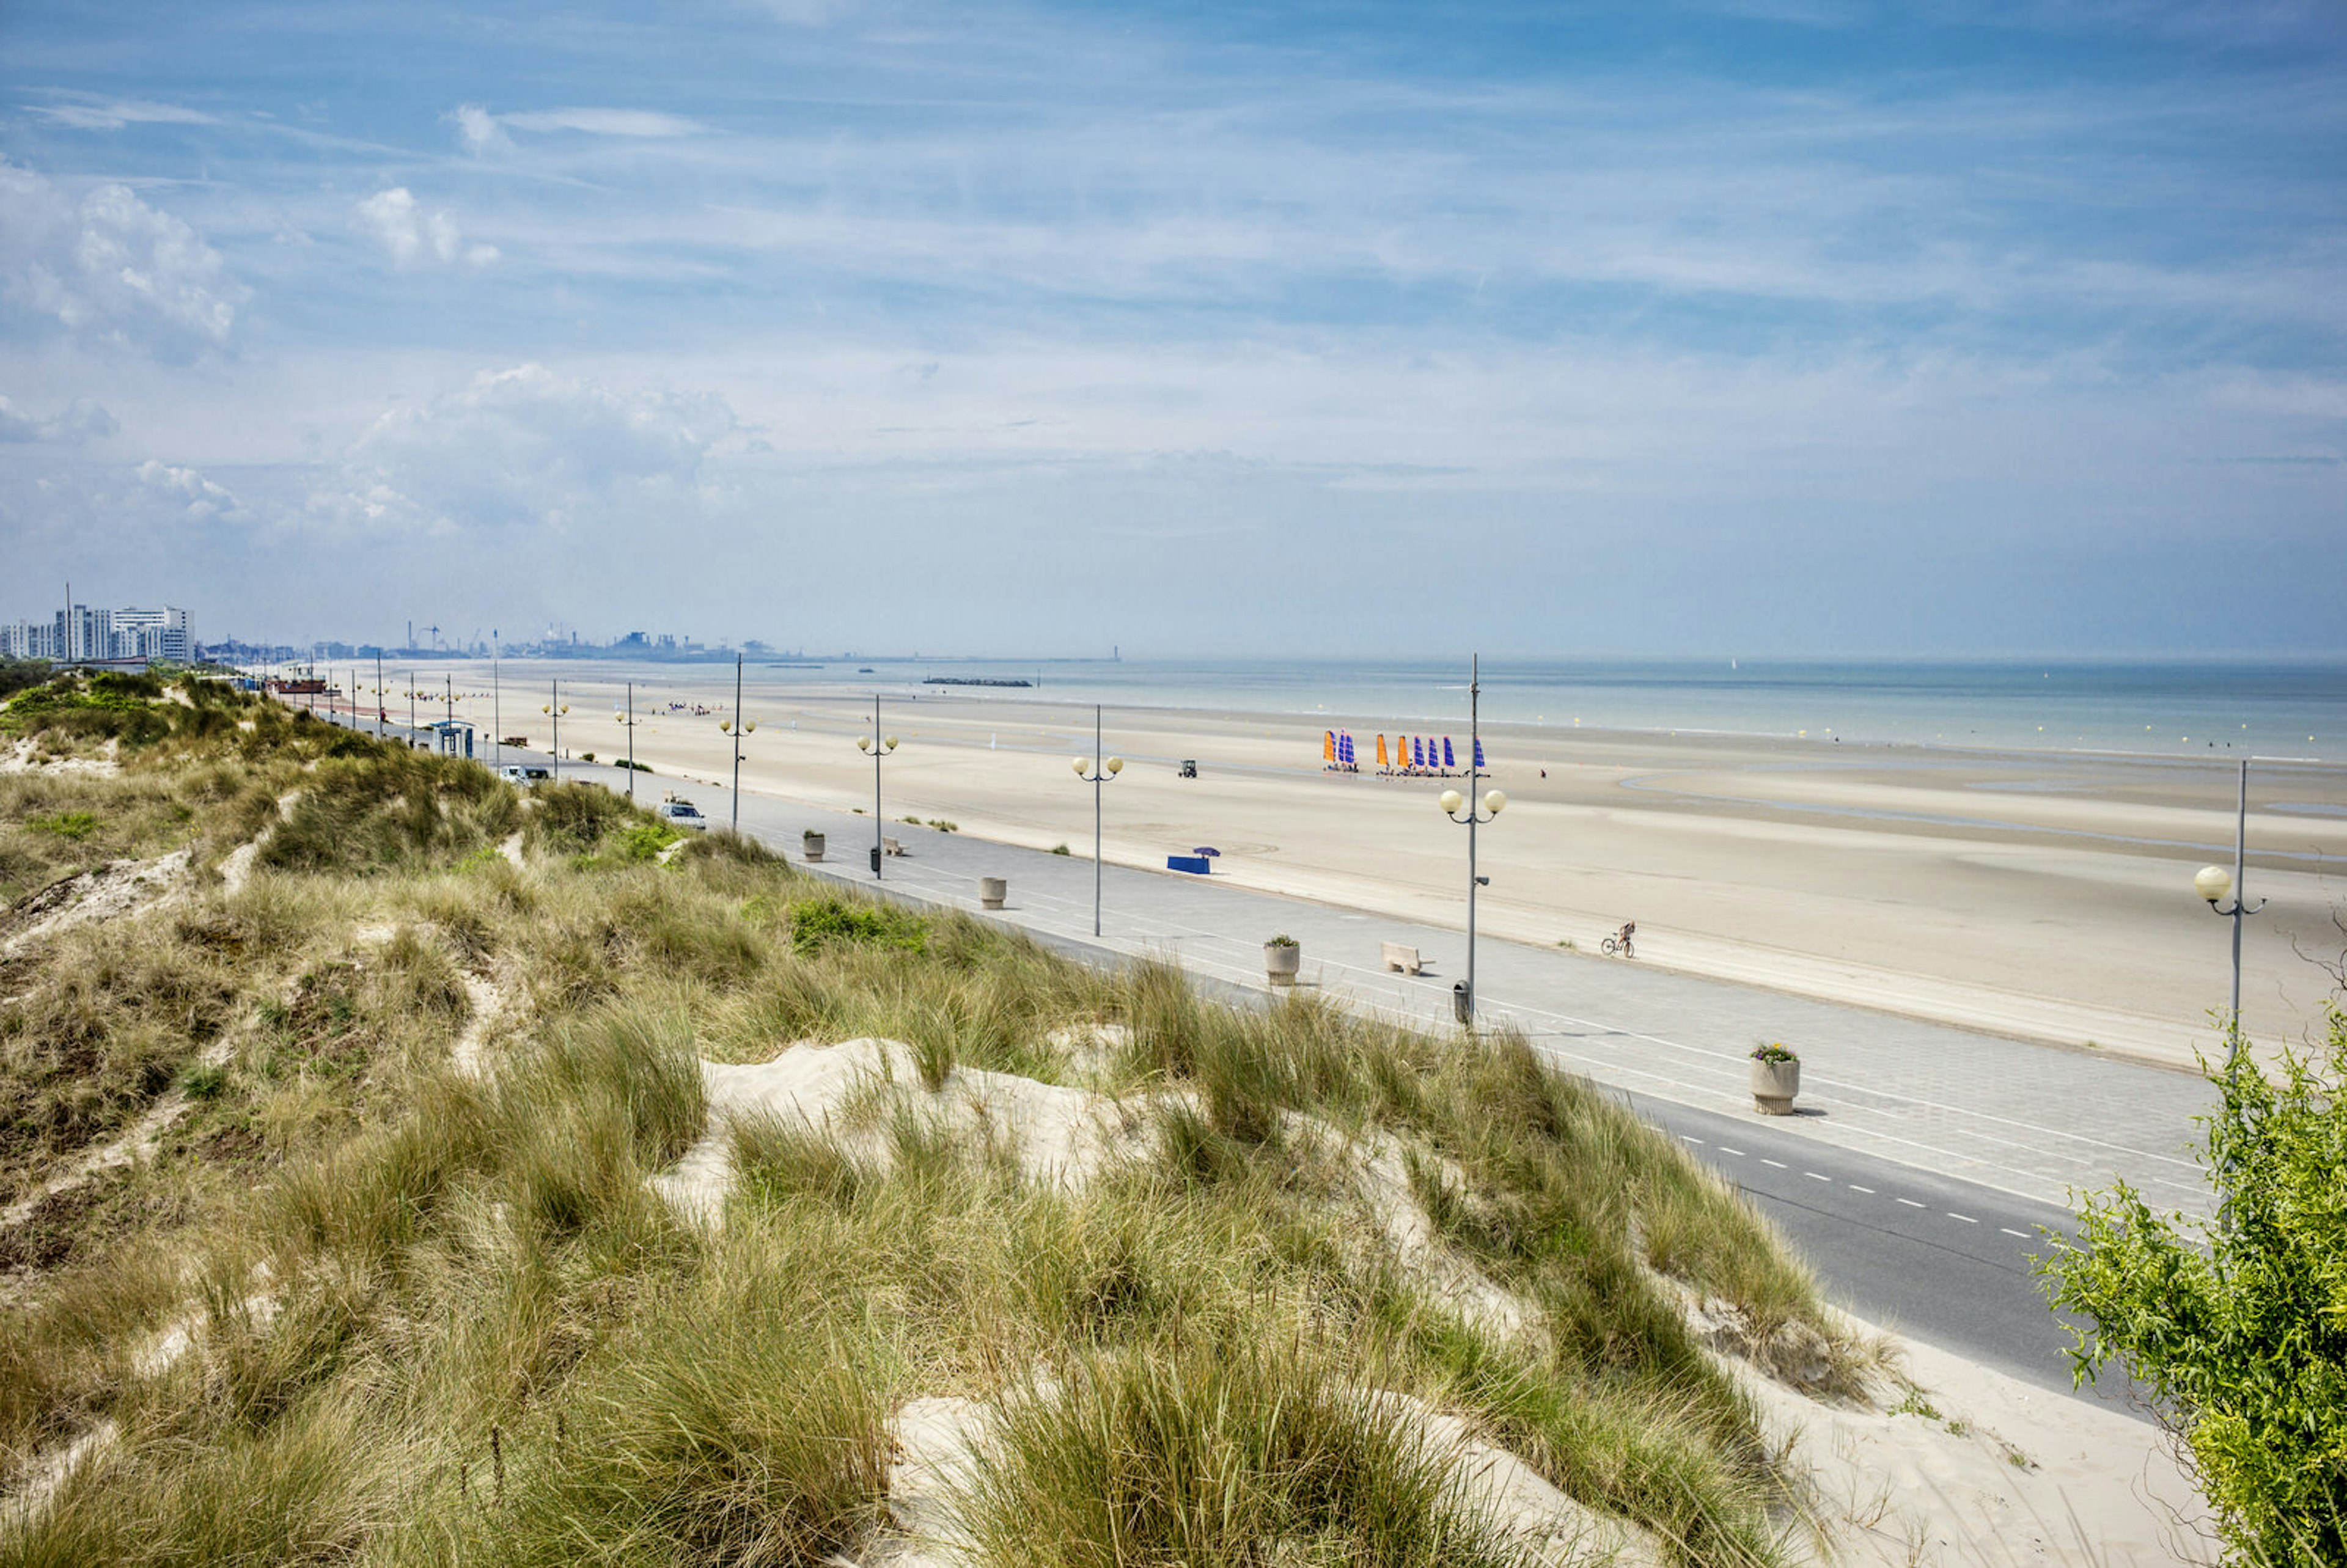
x,y
1619,942
1188,770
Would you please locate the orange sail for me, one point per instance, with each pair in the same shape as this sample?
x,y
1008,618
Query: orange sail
x,y
1328,746
1381,748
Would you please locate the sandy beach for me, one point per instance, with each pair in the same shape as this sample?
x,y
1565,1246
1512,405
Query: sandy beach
x,y
2041,895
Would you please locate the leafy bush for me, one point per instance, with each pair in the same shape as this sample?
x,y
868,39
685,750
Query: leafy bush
x,y
823,921
74,824
2240,1328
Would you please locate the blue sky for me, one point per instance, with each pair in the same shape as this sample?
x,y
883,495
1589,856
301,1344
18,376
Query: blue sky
x,y
1796,326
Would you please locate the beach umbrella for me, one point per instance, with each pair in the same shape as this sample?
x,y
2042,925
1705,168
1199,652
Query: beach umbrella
x,y
1207,851
1449,761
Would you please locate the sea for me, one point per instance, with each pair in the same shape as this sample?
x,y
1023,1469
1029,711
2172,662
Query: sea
x,y
2278,709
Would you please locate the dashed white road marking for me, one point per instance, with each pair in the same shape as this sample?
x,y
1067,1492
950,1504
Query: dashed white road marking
x,y
1909,1202
1856,1188
1779,1163
1725,1150
1966,1218
1684,1138
1815,1177
2023,1234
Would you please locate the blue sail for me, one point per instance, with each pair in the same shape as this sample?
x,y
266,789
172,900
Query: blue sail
x,y
1479,751
1449,760
1417,752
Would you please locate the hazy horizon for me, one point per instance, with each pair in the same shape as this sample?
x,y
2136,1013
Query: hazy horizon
x,y
1781,329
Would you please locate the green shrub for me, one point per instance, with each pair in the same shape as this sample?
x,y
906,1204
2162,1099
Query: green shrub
x,y
821,922
74,824
2239,1329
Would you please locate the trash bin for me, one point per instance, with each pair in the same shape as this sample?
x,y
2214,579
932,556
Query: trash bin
x,y
1463,1002
876,860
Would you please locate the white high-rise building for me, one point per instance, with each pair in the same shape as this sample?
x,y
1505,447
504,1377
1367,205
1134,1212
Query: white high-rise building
x,y
151,634
79,632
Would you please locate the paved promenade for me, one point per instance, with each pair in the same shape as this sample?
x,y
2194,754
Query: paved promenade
x,y
2029,1120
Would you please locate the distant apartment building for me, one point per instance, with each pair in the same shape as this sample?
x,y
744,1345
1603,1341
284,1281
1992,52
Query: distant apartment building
x,y
80,632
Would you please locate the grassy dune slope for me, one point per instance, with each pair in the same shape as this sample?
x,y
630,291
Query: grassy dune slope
x,y
383,1280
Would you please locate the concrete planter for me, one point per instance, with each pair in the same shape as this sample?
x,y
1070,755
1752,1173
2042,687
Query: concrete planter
x,y
813,845
1774,1085
1281,962
993,891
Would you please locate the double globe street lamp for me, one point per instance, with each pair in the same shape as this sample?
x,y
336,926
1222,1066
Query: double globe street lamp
x,y
1466,809
554,708
876,745
736,730
629,719
1097,776
2214,883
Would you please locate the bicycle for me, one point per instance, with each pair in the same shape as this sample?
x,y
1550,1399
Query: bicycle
x,y
1619,942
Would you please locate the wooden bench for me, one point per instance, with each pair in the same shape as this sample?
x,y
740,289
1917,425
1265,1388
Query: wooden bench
x,y
892,846
1398,956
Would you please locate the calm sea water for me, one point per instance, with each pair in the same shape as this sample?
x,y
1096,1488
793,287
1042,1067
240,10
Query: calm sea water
x,y
2275,709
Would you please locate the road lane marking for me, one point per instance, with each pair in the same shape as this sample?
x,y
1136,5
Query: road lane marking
x,y
1815,1177
1725,1150
1856,1188
1779,1163
1909,1202
1684,1138
1966,1218
2023,1234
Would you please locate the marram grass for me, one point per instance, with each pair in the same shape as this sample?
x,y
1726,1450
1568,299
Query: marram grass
x,y
423,1316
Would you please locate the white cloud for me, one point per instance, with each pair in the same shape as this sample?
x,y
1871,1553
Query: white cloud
x,y
530,448
197,496
90,112
479,130
80,420
645,123
111,267
409,234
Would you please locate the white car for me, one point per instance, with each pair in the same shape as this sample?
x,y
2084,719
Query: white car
x,y
681,813
522,777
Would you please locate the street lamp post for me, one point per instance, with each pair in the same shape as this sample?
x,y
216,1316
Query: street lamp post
x,y
378,697
878,745
496,714
411,708
1096,771
737,727
629,720
1477,813
2213,883
554,707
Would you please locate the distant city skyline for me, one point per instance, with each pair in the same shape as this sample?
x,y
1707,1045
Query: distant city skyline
x,y
1789,328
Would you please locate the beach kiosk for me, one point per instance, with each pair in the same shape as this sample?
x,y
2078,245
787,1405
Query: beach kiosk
x,y
452,738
